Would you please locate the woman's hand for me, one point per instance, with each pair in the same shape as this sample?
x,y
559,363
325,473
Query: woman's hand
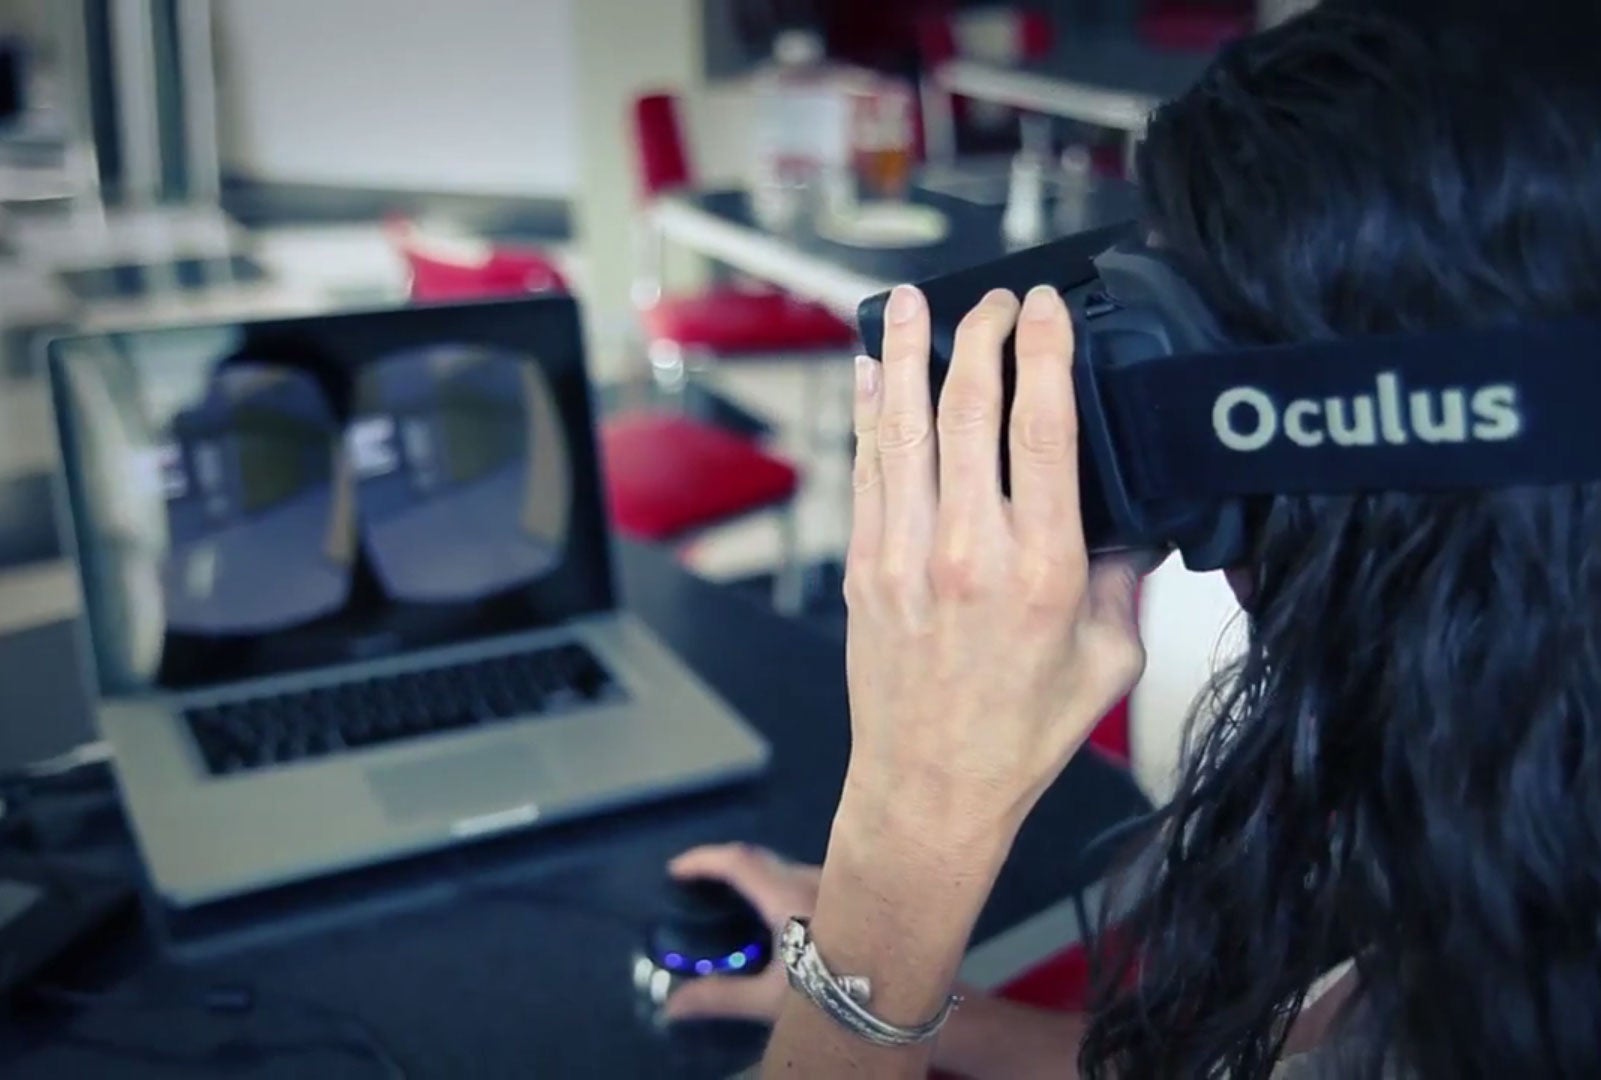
x,y
777,889
983,644
982,648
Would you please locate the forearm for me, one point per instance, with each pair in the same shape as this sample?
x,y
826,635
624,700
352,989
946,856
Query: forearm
x,y
993,1039
899,895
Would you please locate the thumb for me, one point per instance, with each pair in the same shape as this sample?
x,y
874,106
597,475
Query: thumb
x,y
721,997
1113,587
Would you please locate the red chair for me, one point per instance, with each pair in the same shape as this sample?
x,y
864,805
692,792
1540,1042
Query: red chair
x,y
939,37
707,475
724,321
668,478
440,271
1195,25
944,36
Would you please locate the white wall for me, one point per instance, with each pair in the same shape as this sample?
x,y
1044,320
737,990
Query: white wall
x,y
1191,626
23,17
461,95
627,46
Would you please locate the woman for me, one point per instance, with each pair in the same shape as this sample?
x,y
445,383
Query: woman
x,y
1404,770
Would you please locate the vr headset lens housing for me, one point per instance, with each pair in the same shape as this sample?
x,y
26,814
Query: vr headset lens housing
x,y
1179,427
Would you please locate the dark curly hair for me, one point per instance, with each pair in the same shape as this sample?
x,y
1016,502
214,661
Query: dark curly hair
x,y
1404,767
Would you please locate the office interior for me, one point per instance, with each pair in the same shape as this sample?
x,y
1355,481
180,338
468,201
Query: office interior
x,y
167,165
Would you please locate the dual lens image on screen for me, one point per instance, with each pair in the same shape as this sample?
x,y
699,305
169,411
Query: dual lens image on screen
x,y
450,475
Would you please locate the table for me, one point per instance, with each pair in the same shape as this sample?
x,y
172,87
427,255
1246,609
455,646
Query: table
x,y
89,268
456,964
1110,81
719,225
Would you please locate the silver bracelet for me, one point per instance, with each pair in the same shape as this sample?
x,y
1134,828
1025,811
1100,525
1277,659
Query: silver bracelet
x,y
843,998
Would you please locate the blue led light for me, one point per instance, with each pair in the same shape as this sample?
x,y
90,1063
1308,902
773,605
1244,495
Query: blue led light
x,y
736,960
752,952
674,960
703,967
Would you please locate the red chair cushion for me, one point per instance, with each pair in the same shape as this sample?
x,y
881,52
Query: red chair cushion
x,y
1061,982
730,320
507,272
668,475
1111,735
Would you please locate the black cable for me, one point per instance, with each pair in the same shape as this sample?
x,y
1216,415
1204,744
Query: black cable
x,y
61,780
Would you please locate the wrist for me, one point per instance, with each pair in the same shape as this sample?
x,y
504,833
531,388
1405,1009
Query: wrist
x,y
897,904
933,817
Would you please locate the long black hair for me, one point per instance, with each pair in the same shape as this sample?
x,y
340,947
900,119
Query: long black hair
x,y
1404,767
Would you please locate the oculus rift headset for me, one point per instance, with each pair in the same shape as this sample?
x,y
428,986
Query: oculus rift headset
x,y
1179,427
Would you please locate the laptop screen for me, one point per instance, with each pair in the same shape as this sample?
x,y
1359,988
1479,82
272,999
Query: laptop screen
x,y
268,497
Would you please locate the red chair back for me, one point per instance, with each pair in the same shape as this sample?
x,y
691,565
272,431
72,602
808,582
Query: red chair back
x,y
939,41
661,158
936,41
1036,35
1033,35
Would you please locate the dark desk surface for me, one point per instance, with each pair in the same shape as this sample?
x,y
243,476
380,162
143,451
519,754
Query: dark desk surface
x,y
1121,62
974,234
464,972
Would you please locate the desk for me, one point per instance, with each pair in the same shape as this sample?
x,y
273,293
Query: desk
x,y
464,984
719,225
1109,81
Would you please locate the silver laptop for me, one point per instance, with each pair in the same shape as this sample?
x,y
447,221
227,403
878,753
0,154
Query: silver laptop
x,y
349,594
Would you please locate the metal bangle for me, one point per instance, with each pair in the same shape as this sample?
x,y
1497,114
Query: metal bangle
x,y
843,998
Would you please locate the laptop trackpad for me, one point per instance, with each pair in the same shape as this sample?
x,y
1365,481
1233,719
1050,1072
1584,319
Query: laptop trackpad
x,y
483,780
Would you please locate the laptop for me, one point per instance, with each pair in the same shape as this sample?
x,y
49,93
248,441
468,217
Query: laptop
x,y
349,595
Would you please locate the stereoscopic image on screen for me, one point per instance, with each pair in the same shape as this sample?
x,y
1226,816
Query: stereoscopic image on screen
x,y
461,470
258,513
208,495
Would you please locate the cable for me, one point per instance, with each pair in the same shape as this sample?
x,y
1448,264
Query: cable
x,y
97,752
82,772
240,1050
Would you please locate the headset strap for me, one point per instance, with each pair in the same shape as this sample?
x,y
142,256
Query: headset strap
x,y
1442,412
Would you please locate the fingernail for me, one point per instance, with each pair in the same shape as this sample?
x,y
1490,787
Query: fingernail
x,y
904,304
866,376
1041,304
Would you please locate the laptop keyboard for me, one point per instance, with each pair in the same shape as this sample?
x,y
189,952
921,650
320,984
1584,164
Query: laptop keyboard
x,y
258,732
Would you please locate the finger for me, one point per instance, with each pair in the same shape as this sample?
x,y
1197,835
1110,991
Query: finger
x,y
867,479
970,412
752,871
1043,434
725,861
720,997
906,428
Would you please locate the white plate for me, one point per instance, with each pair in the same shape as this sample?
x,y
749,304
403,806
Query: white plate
x,y
886,225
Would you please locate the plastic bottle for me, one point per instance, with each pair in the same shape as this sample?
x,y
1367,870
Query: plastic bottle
x,y
801,127
1076,191
1024,222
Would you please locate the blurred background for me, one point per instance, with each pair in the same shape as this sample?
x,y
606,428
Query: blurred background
x,y
719,181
